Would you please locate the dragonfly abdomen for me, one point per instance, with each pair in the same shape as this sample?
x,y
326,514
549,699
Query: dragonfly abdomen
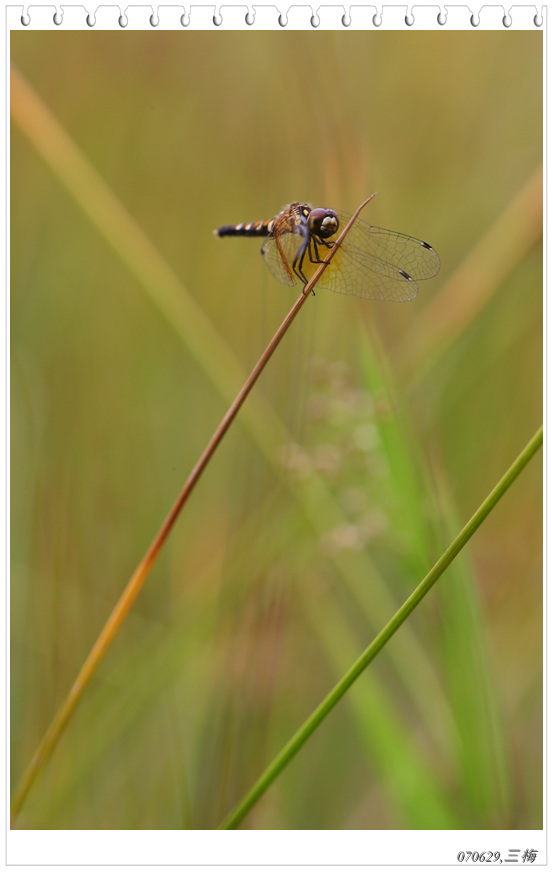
x,y
257,228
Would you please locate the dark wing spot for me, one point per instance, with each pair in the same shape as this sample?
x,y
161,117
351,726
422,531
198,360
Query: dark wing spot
x,y
405,275
426,245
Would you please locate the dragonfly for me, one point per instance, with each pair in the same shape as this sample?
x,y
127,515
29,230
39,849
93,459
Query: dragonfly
x,y
371,262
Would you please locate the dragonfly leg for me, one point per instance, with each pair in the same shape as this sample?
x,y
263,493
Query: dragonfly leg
x,y
297,265
316,242
309,246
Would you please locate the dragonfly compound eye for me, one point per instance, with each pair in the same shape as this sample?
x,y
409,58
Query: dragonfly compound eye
x,y
323,222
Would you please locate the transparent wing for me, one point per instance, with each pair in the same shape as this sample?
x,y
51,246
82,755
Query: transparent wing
x,y
377,264
279,251
373,263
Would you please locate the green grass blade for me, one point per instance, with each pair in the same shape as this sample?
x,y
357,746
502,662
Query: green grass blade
x,y
321,712
410,776
476,752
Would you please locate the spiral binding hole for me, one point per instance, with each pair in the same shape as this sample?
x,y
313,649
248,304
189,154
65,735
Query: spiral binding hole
x,y
25,19
315,21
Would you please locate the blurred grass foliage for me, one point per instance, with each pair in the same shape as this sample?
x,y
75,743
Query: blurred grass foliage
x,y
367,443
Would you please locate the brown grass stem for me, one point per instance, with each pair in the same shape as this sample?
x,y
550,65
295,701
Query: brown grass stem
x,y
134,586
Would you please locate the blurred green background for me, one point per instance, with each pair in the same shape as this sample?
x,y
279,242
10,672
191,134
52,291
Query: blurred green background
x,y
374,434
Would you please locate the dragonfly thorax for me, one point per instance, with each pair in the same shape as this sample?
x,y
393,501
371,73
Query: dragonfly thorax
x,y
323,222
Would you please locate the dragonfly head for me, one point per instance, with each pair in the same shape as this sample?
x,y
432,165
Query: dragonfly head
x,y
323,223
